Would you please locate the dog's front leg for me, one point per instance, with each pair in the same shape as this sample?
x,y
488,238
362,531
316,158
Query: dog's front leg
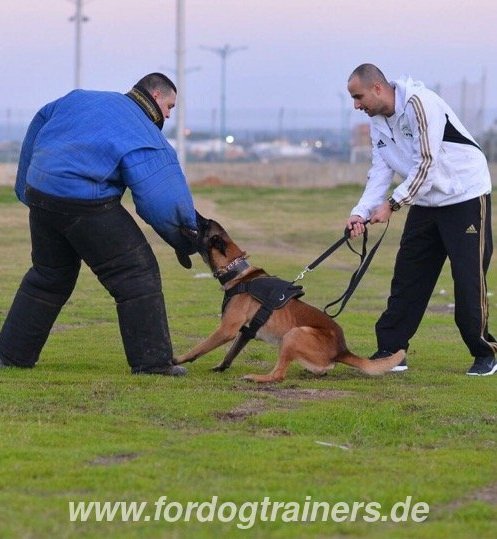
x,y
235,349
222,335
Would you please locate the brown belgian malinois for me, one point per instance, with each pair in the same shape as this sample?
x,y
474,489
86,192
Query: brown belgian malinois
x,y
303,332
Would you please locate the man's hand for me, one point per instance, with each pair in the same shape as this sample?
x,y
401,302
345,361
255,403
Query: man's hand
x,y
355,223
381,214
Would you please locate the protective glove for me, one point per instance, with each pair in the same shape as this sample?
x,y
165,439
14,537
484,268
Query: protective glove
x,y
183,259
183,255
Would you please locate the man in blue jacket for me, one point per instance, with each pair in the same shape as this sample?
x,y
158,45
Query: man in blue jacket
x,y
80,154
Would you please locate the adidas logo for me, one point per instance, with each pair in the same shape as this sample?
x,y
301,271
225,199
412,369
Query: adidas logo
x,y
380,144
471,230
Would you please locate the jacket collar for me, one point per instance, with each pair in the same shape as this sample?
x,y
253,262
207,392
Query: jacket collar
x,y
380,122
405,88
147,103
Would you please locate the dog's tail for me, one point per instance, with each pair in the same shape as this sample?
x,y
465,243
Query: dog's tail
x,y
369,366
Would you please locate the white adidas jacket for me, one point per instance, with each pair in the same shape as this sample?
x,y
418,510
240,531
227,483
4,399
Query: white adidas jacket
x,y
432,152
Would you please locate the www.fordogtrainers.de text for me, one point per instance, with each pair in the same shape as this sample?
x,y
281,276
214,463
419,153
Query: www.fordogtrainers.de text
x,y
246,514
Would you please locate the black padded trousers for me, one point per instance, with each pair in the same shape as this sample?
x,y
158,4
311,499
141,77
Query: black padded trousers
x,y
106,237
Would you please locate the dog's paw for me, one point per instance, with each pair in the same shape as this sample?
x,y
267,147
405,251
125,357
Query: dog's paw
x,y
219,368
260,378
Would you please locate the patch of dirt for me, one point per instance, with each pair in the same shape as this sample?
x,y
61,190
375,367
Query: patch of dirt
x,y
8,173
246,409
271,432
300,394
208,208
110,460
287,398
15,216
486,494
287,173
210,181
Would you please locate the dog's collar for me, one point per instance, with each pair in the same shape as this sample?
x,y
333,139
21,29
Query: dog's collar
x,y
231,270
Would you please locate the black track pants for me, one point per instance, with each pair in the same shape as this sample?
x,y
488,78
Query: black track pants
x,y
462,232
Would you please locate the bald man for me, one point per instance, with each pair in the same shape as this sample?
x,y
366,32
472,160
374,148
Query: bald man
x,y
445,185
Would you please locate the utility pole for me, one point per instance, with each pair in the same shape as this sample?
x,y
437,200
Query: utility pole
x,y
180,74
483,94
78,18
223,53
463,100
281,116
344,124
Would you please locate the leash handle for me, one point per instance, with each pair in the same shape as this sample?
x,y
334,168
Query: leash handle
x,y
357,275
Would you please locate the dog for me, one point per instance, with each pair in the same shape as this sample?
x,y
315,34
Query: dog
x,y
303,332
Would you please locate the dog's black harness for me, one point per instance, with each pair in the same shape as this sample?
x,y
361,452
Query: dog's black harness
x,y
271,292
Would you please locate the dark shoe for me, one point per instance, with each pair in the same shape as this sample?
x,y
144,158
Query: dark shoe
x,y
169,370
483,366
174,370
2,364
382,354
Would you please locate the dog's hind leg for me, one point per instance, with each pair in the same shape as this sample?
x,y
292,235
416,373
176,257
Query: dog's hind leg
x,y
278,373
288,352
307,345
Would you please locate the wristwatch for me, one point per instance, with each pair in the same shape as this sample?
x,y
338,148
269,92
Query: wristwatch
x,y
394,205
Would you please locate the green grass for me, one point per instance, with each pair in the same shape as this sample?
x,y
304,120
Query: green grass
x,y
79,427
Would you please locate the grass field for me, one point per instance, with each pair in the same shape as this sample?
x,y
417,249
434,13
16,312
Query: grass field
x,y
80,428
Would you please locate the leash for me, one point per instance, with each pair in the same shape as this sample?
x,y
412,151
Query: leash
x,y
365,260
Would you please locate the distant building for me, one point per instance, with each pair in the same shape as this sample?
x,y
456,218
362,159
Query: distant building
x,y
282,149
214,150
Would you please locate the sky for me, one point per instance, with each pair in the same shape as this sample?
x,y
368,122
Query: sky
x,y
296,56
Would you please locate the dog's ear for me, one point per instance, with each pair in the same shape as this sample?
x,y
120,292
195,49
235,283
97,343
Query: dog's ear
x,y
217,242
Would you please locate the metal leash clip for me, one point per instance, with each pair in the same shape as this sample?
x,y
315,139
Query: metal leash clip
x,y
302,273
